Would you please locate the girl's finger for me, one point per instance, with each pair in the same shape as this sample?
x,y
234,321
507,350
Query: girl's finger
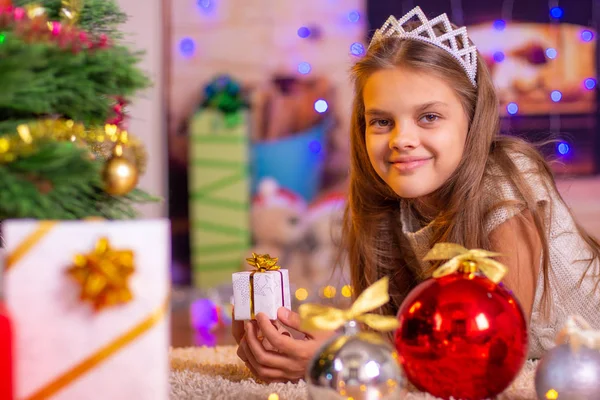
x,y
264,357
285,344
241,353
264,373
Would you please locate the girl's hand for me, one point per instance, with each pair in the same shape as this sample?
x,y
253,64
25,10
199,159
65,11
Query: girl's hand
x,y
291,359
238,331
237,327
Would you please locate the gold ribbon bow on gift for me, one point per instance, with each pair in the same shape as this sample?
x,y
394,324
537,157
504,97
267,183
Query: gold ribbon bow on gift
x,y
579,333
263,262
104,275
317,317
461,259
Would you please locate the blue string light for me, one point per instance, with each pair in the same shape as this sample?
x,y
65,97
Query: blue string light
x,y
498,56
512,108
587,35
563,148
321,106
589,83
315,146
357,49
304,68
551,53
556,96
353,16
206,5
187,46
499,24
303,32
556,12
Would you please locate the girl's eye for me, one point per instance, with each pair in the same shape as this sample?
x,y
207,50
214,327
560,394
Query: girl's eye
x,y
381,123
429,118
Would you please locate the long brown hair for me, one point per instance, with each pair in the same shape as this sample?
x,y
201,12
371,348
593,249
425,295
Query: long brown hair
x,y
371,229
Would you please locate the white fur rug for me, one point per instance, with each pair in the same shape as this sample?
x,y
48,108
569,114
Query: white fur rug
x,y
217,374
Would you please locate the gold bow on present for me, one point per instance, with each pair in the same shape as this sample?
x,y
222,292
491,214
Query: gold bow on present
x,y
317,317
103,275
263,262
579,333
466,260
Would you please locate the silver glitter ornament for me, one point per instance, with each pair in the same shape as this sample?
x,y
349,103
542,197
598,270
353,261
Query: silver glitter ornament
x,y
568,374
358,365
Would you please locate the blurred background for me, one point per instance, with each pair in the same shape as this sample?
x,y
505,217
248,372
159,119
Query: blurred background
x,y
247,126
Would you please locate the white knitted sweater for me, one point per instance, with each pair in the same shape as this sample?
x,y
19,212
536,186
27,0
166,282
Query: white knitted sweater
x,y
567,248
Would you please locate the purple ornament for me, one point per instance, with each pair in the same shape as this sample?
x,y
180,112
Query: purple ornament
x,y
204,315
205,338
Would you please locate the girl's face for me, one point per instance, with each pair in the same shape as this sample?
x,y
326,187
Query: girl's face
x,y
416,130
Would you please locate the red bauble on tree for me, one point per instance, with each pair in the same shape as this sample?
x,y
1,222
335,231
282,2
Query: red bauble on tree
x,y
462,333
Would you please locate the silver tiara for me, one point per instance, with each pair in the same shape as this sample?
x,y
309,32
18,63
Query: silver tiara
x,y
465,54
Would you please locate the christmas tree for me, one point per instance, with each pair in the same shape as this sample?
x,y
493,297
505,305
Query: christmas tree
x,y
65,152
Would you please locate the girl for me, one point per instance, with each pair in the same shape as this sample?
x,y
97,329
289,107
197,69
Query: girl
x,y
428,166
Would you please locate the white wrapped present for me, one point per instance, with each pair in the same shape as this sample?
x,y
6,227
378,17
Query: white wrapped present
x,y
89,301
264,290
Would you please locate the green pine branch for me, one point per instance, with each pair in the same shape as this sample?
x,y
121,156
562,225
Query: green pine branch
x,y
61,181
41,80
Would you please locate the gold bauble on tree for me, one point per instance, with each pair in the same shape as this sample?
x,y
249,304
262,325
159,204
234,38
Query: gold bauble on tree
x,y
120,175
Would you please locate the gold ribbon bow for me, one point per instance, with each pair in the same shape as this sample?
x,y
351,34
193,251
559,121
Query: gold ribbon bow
x,y
317,317
263,262
466,260
103,275
579,333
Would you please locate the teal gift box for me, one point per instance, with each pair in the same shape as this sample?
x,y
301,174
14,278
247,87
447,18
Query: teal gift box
x,y
296,162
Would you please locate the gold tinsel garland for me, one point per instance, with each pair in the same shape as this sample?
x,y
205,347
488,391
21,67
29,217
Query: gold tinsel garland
x,y
101,140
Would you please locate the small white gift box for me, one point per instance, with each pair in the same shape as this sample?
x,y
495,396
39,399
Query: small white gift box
x,y
256,292
89,301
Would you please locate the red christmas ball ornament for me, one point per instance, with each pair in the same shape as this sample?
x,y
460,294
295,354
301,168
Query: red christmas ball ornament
x,y
6,354
462,334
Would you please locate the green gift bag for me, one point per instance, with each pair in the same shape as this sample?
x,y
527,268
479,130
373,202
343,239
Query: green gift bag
x,y
219,186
